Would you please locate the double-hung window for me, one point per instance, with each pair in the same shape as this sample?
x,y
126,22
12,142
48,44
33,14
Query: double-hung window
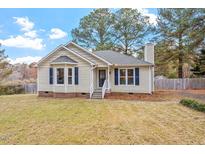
x,y
70,76
122,76
60,75
51,75
126,76
130,76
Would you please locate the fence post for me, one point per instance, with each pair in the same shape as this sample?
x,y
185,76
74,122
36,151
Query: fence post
x,y
30,88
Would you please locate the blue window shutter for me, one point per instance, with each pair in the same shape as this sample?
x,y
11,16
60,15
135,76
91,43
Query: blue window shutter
x,y
51,75
137,78
76,76
116,76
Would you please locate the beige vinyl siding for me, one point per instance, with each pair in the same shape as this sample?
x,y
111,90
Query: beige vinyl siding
x,y
84,81
92,58
43,79
84,74
152,79
143,86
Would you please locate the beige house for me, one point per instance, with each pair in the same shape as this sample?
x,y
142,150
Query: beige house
x,y
73,71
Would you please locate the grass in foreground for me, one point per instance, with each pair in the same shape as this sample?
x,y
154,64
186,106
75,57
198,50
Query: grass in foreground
x,y
27,119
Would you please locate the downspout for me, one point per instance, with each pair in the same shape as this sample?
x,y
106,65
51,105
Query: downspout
x,y
150,80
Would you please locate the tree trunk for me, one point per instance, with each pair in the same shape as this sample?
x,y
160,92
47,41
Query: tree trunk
x,y
126,47
181,59
180,66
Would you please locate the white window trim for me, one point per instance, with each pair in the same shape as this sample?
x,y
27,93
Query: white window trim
x,y
133,77
56,76
72,76
65,76
126,77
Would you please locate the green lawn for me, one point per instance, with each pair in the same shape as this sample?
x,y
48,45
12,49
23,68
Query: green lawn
x,y
27,119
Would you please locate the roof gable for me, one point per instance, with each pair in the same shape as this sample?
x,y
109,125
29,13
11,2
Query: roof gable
x,y
58,49
64,59
87,54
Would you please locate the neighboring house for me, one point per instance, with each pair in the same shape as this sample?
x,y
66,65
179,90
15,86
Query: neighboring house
x,y
73,71
22,73
32,71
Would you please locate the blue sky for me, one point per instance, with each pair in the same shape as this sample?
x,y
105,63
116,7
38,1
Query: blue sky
x,y
29,34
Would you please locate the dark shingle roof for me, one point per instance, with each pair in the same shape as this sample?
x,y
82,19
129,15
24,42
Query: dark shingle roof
x,y
63,59
120,59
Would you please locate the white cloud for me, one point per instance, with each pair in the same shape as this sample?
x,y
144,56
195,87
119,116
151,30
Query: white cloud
x,y
23,42
42,30
29,39
57,33
24,22
152,17
31,34
26,60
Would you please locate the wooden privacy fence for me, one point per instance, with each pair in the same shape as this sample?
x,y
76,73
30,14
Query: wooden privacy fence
x,y
179,84
160,84
30,88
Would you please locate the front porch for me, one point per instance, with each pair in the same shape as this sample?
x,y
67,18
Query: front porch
x,y
100,82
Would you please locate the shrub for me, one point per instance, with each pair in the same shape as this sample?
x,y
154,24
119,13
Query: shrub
x,y
11,89
193,104
172,75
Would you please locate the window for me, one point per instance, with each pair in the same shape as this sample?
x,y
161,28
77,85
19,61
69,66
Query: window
x,y
60,75
126,77
122,76
130,76
76,70
51,75
70,74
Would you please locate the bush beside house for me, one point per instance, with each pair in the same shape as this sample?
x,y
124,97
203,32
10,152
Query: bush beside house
x,y
11,89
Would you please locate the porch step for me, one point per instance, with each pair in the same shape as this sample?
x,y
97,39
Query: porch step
x,y
97,94
94,97
98,90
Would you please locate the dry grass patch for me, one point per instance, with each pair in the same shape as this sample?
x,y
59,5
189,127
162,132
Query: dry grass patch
x,y
27,119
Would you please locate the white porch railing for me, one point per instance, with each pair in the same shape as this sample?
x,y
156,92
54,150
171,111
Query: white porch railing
x,y
104,88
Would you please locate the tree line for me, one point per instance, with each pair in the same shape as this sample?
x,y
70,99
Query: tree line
x,y
179,36
17,73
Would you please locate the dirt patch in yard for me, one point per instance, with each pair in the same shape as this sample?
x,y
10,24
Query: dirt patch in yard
x,y
165,95
194,94
156,96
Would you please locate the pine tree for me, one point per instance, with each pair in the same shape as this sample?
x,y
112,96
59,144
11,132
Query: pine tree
x,y
182,31
130,29
4,65
199,68
202,62
94,31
